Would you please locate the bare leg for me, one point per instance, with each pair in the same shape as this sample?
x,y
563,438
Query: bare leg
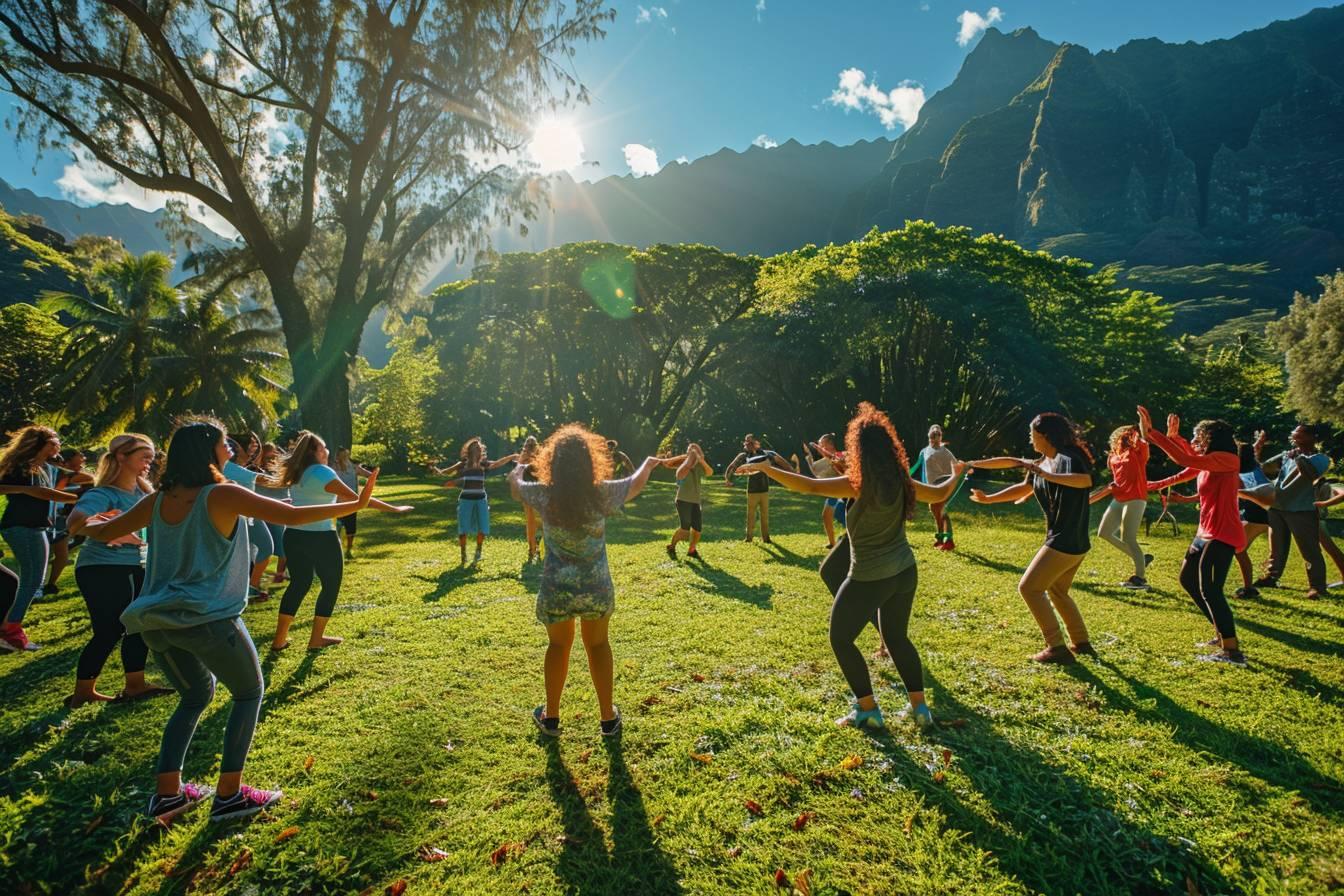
x,y
600,663
560,639
828,523
317,640
282,624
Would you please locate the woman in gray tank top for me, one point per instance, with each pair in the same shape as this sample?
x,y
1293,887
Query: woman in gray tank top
x,y
189,610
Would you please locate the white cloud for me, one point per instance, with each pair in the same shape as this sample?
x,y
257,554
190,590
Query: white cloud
x,y
682,160
973,24
924,6
87,181
764,141
645,16
760,9
900,105
641,159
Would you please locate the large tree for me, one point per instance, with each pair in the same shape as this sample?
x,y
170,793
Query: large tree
x,y
347,144
1311,337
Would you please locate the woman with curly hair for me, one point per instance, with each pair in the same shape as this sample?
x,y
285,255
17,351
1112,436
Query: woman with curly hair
x,y
28,477
473,504
882,575
574,495
1128,491
1061,481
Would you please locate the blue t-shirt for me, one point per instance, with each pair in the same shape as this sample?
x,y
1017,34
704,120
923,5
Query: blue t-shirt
x,y
1300,498
310,490
241,475
98,553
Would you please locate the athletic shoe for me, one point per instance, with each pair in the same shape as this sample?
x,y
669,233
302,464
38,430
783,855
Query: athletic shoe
x,y
1136,583
1231,657
949,545
767,541
1060,655
672,551
14,639
50,588
1216,643
1334,586
1147,560
547,726
1250,592
921,715
478,556
1084,649
693,554
858,717
247,801
349,555
1265,582
938,542
612,727
166,808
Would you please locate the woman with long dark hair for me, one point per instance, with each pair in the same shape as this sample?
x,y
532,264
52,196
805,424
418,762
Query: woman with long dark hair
x,y
28,478
1211,458
882,575
111,575
574,495
313,548
1061,480
190,609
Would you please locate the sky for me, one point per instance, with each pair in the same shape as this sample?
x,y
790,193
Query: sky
x,y
680,79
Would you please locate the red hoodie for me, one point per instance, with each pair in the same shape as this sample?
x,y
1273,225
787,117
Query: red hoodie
x,y
1219,480
1129,473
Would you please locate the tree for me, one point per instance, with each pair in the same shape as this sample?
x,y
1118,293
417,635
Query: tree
x,y
30,357
1311,337
347,144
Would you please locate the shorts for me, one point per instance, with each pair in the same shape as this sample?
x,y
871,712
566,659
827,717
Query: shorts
x,y
688,515
349,523
1252,512
838,505
473,516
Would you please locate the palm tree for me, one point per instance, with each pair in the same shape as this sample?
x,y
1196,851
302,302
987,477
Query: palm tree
x,y
218,360
113,337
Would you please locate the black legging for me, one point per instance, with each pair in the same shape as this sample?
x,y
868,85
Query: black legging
x,y
1203,573
9,587
108,589
308,553
886,604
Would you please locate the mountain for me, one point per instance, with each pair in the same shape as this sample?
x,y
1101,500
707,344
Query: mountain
x,y
762,201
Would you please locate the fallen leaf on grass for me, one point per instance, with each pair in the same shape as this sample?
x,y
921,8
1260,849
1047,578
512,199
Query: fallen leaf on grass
x,y
696,676
286,833
391,824
1207,705
584,756
396,888
939,776
781,879
791,780
505,852
429,853
244,859
851,762
801,821
308,764
651,700
704,758
93,824
802,884
909,824
733,851
1157,774
372,794
953,723
947,757
440,802
658,820
754,807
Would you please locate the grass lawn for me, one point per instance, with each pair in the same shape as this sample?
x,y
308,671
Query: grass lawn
x,y
408,757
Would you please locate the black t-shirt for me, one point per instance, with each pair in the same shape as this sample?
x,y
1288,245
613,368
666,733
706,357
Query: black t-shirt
x,y
759,482
1067,520
25,510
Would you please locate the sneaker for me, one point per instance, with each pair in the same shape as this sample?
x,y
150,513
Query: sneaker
x,y
1265,582
857,717
50,588
1136,583
693,554
547,726
1250,592
478,555
1061,655
1215,642
1334,586
766,541
612,727
165,808
14,639
247,801
1231,657
921,715
949,545
672,551
349,555
938,542
1084,649
1147,560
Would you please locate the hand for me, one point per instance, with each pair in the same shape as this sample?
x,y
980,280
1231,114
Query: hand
x,y
1032,467
1173,425
960,467
1260,438
1145,419
979,497
366,493
398,508
758,467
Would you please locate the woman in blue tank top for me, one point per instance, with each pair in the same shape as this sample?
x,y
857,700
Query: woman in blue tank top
x,y
189,609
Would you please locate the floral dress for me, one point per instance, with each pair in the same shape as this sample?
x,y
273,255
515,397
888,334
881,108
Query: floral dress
x,y
575,580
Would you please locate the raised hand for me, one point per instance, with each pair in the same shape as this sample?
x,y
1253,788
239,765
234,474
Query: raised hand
x,y
1145,419
1173,425
979,497
366,493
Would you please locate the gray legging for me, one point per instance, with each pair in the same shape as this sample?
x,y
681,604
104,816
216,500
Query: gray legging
x,y
192,658
885,603
31,548
1120,526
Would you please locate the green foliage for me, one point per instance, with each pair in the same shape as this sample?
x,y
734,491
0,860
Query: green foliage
x,y
30,358
370,454
390,404
1312,339
33,260
1237,386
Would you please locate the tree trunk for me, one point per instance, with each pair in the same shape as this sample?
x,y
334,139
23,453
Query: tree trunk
x,y
323,391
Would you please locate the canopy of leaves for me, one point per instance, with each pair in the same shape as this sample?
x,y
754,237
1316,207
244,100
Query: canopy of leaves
x,y
1312,339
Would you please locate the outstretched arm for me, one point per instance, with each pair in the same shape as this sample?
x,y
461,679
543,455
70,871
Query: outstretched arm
x,y
1100,494
1018,492
41,492
832,487
641,477
1336,498
343,492
731,470
1180,452
506,459
943,491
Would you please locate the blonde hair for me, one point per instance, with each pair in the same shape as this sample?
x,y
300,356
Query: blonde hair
x,y
124,445
291,467
20,455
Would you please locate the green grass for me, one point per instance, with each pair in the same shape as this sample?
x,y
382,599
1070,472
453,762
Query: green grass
x,y
1143,772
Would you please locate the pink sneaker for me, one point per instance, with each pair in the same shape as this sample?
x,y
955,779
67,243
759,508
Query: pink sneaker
x,y
165,808
247,801
14,639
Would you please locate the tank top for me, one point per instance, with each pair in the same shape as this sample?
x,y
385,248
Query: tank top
x,y
194,575
878,548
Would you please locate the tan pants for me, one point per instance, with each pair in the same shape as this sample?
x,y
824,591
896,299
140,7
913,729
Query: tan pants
x,y
1045,583
758,501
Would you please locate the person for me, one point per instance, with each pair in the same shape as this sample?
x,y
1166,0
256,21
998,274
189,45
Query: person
x,y
313,547
1294,514
882,577
574,495
28,478
690,467
267,464
70,477
527,456
1254,518
349,472
189,611
1212,460
758,484
258,535
110,575
823,466
1328,497
1060,481
473,505
934,465
1128,463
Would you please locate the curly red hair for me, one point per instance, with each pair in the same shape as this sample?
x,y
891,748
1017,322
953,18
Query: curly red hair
x,y
874,450
574,462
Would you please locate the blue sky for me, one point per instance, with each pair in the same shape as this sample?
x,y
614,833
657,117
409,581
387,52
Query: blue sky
x,y
682,78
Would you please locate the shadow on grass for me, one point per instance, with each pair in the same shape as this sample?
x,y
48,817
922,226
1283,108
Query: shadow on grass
x,y
728,585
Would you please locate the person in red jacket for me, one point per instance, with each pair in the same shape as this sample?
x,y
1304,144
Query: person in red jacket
x,y
1211,460
1128,462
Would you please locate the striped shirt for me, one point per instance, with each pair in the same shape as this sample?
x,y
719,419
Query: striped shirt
x,y
473,484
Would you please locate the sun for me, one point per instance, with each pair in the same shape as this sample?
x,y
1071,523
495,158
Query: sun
x,y
556,145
